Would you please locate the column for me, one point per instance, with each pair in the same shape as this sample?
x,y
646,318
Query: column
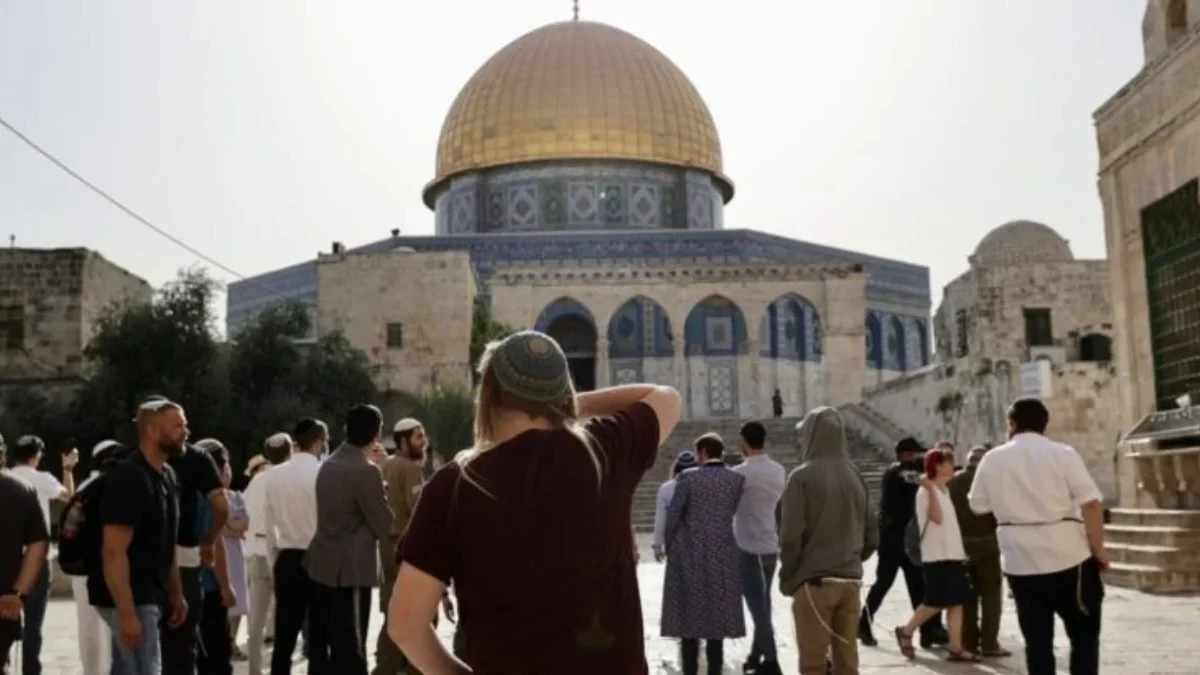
x,y
754,391
679,368
603,370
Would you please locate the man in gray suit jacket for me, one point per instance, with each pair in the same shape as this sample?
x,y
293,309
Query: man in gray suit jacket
x,y
343,561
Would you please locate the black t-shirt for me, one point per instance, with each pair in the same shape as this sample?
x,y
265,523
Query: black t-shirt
x,y
138,496
198,476
21,524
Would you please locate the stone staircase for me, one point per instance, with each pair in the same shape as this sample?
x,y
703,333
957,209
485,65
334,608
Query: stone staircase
x,y
865,452
1154,550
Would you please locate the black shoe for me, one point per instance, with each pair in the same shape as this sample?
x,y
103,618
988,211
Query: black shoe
x,y
865,636
934,639
768,668
751,666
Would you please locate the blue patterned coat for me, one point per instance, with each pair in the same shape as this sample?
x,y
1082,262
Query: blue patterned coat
x,y
702,595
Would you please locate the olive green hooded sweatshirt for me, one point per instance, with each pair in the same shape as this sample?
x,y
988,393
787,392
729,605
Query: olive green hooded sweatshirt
x,y
828,527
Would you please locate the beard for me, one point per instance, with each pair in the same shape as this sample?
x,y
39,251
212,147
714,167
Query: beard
x,y
416,454
172,449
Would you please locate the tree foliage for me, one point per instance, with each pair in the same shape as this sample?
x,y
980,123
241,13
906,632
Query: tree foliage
x,y
240,392
449,419
484,329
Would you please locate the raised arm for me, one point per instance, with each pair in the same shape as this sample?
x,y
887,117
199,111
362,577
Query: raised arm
x,y
664,401
371,497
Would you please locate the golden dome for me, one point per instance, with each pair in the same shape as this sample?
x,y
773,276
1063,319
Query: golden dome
x,y
577,90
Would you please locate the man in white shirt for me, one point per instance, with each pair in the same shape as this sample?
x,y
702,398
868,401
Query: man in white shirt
x,y
289,522
276,450
1051,535
26,456
756,531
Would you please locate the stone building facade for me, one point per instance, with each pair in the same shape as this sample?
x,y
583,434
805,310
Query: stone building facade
x,y
50,303
413,346
1026,318
581,172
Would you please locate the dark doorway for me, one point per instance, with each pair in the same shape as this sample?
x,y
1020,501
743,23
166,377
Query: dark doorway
x,y
577,337
583,373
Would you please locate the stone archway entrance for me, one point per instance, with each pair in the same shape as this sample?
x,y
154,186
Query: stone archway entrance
x,y
578,337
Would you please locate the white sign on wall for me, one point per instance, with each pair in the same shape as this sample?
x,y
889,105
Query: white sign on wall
x,y
1035,379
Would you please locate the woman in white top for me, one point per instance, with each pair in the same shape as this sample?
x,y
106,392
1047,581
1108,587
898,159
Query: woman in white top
x,y
943,559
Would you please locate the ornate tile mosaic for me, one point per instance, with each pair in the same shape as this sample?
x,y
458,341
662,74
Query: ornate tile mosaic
x,y
668,216
497,210
554,207
700,210
722,388
626,375
613,199
522,207
583,204
462,212
644,205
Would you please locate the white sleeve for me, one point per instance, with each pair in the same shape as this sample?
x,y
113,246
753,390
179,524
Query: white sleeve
x,y
1079,481
977,497
922,507
48,486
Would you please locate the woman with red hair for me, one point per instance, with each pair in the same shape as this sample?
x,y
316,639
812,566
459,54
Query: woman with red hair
x,y
943,558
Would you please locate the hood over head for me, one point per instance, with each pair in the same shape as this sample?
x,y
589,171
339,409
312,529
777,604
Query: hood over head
x,y
820,435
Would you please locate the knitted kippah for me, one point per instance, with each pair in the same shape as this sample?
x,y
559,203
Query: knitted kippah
x,y
531,366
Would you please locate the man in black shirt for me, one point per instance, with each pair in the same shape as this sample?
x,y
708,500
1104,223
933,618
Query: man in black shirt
x,y
198,477
24,544
897,505
139,513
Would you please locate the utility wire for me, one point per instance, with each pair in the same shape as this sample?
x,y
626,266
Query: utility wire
x,y
126,210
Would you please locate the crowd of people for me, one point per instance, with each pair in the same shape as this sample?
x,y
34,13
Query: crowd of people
x,y
529,531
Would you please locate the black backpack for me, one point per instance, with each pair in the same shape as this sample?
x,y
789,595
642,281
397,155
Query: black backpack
x,y
79,532
913,535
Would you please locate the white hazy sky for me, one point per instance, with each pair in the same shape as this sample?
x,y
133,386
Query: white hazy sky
x,y
259,131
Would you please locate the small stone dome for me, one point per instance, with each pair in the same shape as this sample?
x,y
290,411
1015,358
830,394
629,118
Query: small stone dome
x,y
1019,242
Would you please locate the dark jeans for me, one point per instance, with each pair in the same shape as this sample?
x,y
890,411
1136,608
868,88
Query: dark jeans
x,y
338,626
216,646
35,615
179,644
1074,595
689,656
757,572
293,596
981,628
892,559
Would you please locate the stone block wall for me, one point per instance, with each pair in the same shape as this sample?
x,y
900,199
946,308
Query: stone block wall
x,y
965,401
50,302
1149,141
429,296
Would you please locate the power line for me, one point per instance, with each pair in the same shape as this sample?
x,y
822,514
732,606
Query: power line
x,y
125,209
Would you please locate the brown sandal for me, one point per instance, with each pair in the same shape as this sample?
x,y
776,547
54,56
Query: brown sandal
x,y
962,656
905,640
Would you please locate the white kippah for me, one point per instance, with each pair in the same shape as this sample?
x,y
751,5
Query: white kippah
x,y
278,440
102,446
406,424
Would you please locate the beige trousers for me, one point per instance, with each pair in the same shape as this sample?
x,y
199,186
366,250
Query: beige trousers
x,y
827,621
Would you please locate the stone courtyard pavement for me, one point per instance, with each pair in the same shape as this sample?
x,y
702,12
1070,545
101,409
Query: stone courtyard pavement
x,y
1143,635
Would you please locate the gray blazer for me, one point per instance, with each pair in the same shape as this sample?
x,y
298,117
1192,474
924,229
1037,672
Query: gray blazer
x,y
352,516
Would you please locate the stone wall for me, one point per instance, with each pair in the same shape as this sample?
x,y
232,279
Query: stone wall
x,y
519,295
427,298
50,303
1149,141
994,299
965,400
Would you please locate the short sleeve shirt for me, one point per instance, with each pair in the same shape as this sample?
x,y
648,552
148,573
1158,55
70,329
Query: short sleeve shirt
x,y
198,476
939,541
539,550
138,496
21,524
47,486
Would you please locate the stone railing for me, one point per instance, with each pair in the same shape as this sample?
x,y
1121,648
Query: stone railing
x,y
1171,478
873,427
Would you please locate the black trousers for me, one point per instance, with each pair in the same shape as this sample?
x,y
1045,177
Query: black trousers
x,y
338,627
1074,595
293,595
892,559
216,645
689,656
179,644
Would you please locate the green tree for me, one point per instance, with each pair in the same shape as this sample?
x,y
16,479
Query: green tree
x,y
274,380
166,347
449,419
484,329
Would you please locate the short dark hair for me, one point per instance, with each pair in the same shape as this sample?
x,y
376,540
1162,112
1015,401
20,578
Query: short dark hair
x,y
308,431
909,444
215,449
27,448
755,435
364,424
710,446
1029,415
